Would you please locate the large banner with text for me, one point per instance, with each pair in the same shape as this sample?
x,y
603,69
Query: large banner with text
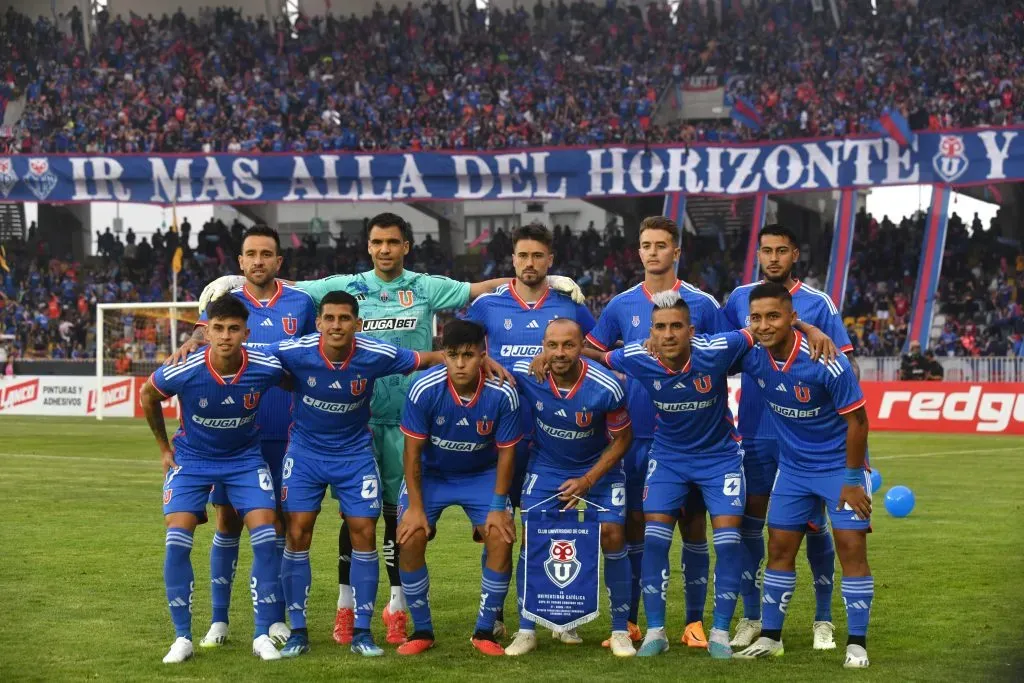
x,y
961,158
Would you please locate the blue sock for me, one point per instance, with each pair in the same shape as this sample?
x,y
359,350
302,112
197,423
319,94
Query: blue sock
x,y
636,558
657,541
696,567
266,573
858,592
728,567
778,591
524,623
223,563
179,580
821,554
617,576
752,539
416,585
297,576
493,590
365,576
279,543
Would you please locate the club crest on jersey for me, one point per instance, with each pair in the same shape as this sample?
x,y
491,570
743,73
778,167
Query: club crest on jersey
x,y
311,381
484,427
584,418
539,405
508,323
290,325
760,382
384,297
657,384
203,403
405,297
358,386
803,394
251,400
703,383
636,321
439,420
951,161
562,567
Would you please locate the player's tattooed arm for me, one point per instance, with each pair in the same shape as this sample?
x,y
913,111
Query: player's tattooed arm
x,y
150,400
613,454
819,342
854,494
194,343
854,365
414,519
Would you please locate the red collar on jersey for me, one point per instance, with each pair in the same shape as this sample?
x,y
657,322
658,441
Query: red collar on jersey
x,y
329,362
648,293
216,375
792,354
476,396
259,304
575,387
526,306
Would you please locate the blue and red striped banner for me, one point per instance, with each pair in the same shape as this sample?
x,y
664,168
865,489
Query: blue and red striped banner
x,y
923,304
751,265
842,247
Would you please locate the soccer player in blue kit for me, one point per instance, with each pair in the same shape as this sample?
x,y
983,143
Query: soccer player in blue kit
x,y
695,445
515,317
334,373
778,252
822,427
627,319
219,390
460,437
277,312
576,406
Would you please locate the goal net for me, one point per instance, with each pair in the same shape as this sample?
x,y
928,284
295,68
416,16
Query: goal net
x,y
134,339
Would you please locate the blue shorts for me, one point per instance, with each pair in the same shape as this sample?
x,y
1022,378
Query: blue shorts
x,y
273,455
354,480
634,464
718,478
515,491
247,485
760,462
610,492
797,498
472,491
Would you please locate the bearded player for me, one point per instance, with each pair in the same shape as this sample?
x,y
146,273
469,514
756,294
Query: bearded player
x,y
397,306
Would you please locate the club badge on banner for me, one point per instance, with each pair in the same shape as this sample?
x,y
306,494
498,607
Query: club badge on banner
x,y
563,567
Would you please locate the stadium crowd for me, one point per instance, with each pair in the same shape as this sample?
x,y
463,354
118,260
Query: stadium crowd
x,y
556,74
49,302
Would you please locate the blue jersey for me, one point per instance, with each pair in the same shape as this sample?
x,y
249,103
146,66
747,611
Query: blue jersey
x,y
289,313
218,413
627,319
807,400
332,400
693,403
813,307
571,426
463,435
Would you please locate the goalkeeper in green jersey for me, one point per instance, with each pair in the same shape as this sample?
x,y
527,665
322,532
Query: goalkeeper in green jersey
x,y
396,306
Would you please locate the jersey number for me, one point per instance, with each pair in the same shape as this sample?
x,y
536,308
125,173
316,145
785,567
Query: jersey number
x,y
286,469
531,480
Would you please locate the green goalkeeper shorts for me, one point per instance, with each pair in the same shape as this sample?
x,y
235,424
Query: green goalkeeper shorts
x,y
388,446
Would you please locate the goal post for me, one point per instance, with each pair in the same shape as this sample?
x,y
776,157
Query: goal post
x,y
133,339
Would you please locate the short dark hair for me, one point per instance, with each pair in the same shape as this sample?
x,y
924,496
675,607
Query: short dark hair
x,y
670,299
227,306
261,231
538,232
770,290
390,220
660,223
778,230
459,333
340,298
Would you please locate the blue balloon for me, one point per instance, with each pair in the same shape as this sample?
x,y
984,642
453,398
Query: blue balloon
x,y
899,501
876,481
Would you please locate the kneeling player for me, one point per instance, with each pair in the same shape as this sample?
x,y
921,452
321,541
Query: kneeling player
x,y
574,408
460,436
335,371
823,431
219,388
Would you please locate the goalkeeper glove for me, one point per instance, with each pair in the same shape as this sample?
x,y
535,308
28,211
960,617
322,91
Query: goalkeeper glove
x,y
217,289
567,286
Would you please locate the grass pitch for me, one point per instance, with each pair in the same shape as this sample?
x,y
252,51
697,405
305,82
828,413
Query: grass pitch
x,y
82,557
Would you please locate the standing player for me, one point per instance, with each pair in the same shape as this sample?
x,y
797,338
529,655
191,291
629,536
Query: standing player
x,y
574,409
334,372
778,253
822,428
219,390
627,319
515,317
398,308
460,437
277,311
695,446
